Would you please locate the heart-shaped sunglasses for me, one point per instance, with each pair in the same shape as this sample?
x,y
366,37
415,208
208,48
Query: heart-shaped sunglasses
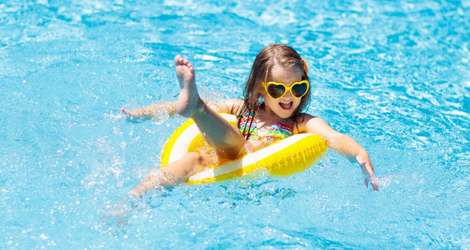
x,y
277,90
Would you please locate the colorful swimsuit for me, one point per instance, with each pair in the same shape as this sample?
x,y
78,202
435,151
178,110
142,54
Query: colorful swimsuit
x,y
278,131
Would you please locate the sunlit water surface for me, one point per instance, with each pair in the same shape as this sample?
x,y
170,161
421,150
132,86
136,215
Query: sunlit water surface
x,y
395,75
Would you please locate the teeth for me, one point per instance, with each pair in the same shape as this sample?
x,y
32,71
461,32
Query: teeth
x,y
286,105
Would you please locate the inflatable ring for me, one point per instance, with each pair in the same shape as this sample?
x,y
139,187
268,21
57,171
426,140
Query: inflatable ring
x,y
282,158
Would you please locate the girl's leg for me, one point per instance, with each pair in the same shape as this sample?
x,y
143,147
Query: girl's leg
x,y
226,138
171,174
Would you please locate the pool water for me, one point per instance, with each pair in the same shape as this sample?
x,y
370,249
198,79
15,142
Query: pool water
x,y
394,75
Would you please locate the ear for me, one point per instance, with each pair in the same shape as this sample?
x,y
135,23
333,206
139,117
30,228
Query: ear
x,y
261,97
261,90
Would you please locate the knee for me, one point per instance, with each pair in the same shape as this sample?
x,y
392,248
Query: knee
x,y
195,160
194,157
232,154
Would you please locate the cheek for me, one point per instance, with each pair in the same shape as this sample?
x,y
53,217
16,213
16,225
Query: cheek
x,y
297,102
268,101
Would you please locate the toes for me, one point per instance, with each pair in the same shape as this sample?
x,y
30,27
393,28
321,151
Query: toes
x,y
181,61
190,67
178,60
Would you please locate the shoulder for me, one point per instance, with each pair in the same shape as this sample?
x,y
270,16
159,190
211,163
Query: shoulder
x,y
312,124
234,102
232,106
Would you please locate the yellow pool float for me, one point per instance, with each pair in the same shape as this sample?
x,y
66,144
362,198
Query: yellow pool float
x,y
282,158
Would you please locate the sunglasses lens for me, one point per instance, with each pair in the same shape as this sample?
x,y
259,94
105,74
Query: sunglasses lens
x,y
299,90
276,91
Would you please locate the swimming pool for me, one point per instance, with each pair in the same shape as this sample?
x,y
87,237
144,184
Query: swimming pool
x,y
392,74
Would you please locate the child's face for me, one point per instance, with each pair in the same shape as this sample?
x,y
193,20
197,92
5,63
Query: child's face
x,y
285,106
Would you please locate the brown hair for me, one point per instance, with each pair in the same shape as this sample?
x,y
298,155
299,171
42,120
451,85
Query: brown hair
x,y
274,54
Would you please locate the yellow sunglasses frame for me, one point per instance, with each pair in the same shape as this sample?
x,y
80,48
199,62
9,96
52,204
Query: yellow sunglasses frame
x,y
266,85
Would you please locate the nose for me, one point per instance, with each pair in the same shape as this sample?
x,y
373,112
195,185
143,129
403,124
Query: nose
x,y
288,94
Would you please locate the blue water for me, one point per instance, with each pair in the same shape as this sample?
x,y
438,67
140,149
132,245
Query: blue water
x,y
394,75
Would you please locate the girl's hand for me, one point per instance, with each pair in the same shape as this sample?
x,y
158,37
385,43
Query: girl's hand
x,y
368,170
151,111
131,113
342,144
373,181
144,112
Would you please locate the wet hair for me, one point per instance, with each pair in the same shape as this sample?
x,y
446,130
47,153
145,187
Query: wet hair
x,y
274,54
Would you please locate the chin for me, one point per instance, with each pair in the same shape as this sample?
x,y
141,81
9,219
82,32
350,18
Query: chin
x,y
285,115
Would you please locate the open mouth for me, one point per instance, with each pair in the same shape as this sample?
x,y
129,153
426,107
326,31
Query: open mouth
x,y
286,105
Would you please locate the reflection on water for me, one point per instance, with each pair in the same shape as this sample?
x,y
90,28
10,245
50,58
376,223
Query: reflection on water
x,y
393,75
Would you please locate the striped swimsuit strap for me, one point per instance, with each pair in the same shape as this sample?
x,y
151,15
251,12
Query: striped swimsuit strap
x,y
280,130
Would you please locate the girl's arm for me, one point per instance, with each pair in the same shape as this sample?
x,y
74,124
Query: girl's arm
x,y
342,144
230,106
152,110
227,106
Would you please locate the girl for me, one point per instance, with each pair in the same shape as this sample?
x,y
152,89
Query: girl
x,y
275,94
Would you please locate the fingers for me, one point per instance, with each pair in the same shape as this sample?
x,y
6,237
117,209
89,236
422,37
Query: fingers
x,y
368,170
375,186
128,113
373,182
370,176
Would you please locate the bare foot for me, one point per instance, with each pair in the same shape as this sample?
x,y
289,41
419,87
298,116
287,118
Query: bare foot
x,y
188,99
